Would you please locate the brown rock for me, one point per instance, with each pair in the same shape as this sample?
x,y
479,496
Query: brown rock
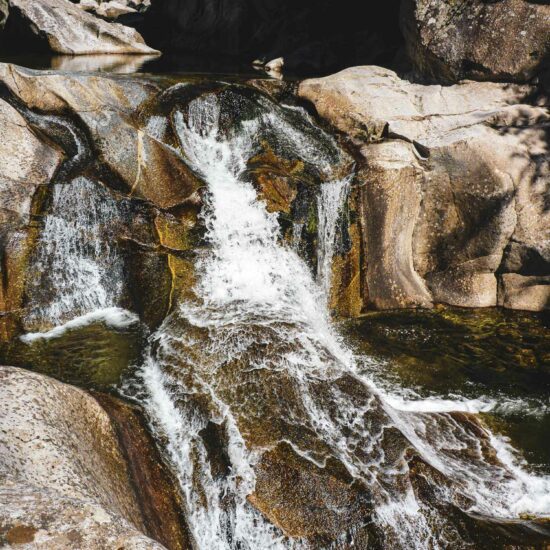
x,y
452,40
159,499
306,501
348,289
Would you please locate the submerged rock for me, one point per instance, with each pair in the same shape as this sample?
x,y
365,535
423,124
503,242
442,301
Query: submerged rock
x,y
450,40
69,30
310,502
454,189
64,482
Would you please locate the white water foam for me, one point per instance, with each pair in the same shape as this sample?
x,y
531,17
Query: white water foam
x,y
113,317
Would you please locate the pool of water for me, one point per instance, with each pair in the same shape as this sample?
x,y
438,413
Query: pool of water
x,y
491,361
215,67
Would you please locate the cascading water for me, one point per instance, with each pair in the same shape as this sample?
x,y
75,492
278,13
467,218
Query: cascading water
x,y
329,205
254,363
76,268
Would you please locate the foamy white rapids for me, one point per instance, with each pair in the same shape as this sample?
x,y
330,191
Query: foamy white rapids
x,y
482,404
113,317
252,291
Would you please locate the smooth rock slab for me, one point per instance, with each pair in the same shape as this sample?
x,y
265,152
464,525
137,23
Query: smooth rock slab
x,y
70,30
26,164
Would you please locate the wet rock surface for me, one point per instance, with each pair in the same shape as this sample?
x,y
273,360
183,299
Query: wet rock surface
x,y
471,160
156,487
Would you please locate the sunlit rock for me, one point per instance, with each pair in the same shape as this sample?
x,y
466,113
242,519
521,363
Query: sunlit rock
x,y
69,30
65,483
477,159
26,165
113,9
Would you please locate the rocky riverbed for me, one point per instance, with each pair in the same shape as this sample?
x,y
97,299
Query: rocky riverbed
x,y
243,312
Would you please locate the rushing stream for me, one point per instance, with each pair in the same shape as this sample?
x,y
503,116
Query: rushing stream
x,y
250,372
256,355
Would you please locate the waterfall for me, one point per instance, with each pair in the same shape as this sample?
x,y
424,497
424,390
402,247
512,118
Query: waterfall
x,y
329,207
77,270
297,230
254,363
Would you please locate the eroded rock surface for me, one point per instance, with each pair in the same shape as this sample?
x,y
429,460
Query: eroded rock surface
x,y
503,40
64,482
69,30
455,188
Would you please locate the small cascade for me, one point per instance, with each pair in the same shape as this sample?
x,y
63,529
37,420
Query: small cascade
x,y
247,380
330,202
77,269
297,230
254,364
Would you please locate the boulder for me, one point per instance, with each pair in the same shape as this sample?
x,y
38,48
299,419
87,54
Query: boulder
x,y
392,197
451,40
527,293
64,482
455,184
69,30
4,12
109,108
113,10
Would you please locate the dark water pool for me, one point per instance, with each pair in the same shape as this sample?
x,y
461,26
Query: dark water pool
x,y
499,359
